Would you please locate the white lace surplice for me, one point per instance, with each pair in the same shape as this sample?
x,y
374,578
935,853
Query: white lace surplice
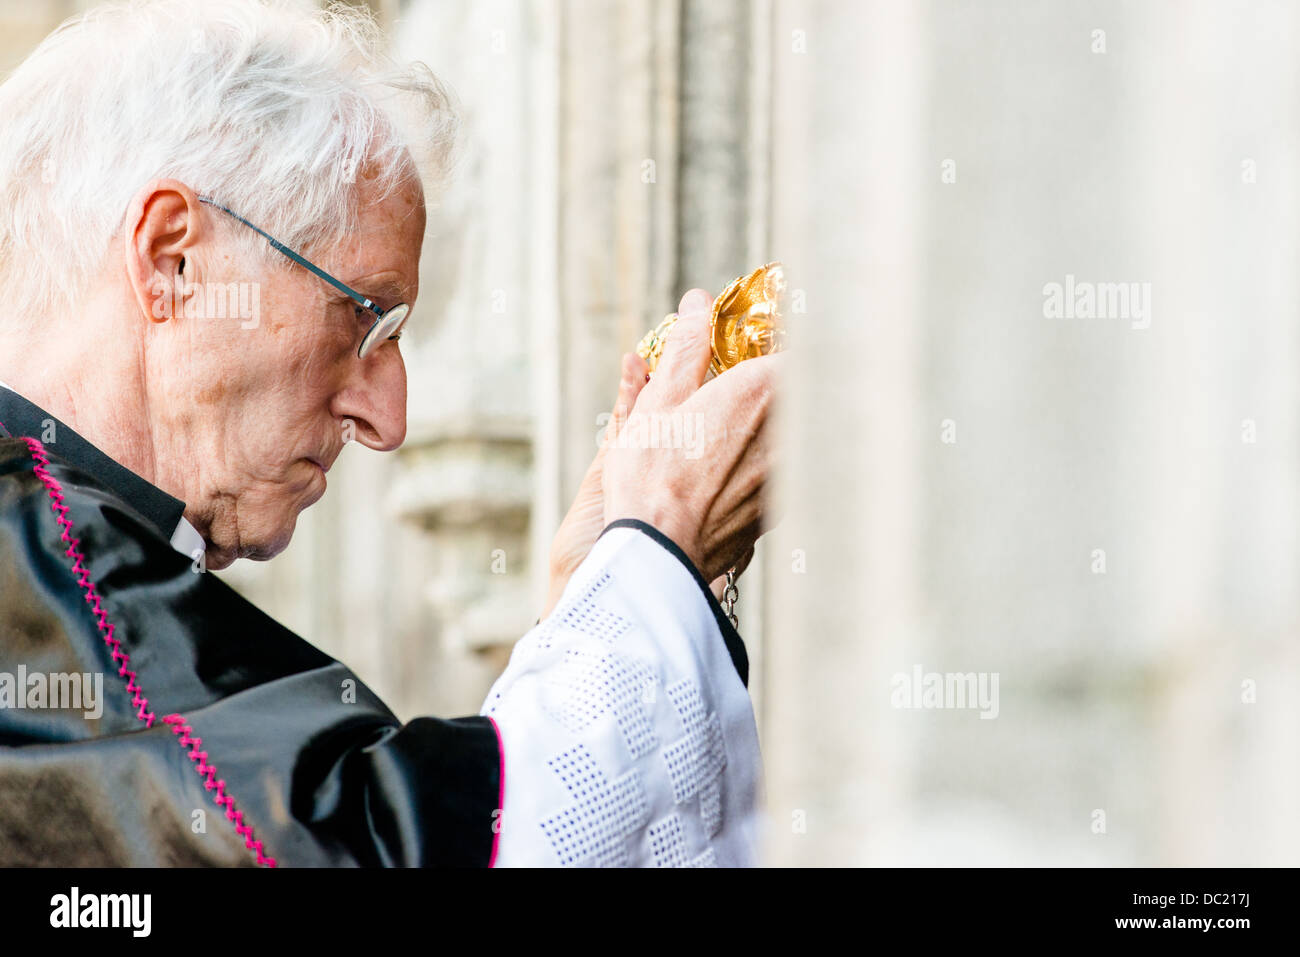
x,y
628,736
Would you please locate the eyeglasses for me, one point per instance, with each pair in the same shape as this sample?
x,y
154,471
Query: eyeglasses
x,y
388,322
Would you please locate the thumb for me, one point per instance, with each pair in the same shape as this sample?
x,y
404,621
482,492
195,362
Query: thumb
x,y
630,384
687,351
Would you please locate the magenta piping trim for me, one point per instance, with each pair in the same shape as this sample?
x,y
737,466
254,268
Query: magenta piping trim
x,y
175,721
501,793
211,782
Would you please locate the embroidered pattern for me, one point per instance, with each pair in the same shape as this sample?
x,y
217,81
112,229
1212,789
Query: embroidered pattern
x,y
695,762
668,845
595,828
585,617
175,721
587,669
707,859
586,686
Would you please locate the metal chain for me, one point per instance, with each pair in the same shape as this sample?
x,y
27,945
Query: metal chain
x,y
729,596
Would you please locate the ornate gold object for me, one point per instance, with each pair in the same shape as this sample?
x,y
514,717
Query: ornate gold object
x,y
747,321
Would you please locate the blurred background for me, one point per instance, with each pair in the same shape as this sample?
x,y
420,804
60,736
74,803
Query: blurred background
x,y
1098,508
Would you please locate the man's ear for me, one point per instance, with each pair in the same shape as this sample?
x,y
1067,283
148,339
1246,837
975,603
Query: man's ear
x,y
162,223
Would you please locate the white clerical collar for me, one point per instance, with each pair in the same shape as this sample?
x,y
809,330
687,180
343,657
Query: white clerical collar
x,y
185,539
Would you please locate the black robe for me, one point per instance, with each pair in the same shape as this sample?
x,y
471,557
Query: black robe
x,y
209,705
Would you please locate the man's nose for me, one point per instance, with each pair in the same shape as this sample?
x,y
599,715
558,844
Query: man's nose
x,y
375,399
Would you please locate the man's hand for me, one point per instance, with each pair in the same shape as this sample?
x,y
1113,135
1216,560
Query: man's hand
x,y
708,495
586,518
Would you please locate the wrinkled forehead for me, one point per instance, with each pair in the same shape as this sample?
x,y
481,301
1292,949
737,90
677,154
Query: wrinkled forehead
x,y
388,234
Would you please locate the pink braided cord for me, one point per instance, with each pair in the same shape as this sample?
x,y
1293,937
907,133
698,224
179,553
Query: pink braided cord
x,y
138,701
212,783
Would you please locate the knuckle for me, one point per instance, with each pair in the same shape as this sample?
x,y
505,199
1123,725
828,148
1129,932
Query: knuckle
x,y
689,334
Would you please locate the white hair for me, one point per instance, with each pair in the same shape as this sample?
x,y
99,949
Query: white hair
x,y
271,107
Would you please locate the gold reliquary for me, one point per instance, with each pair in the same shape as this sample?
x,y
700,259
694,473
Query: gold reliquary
x,y
747,321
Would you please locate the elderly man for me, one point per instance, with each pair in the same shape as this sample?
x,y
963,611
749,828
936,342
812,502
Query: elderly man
x,y
262,150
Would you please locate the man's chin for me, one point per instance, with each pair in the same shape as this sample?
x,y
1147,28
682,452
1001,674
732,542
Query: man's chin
x,y
266,549
247,536
257,547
